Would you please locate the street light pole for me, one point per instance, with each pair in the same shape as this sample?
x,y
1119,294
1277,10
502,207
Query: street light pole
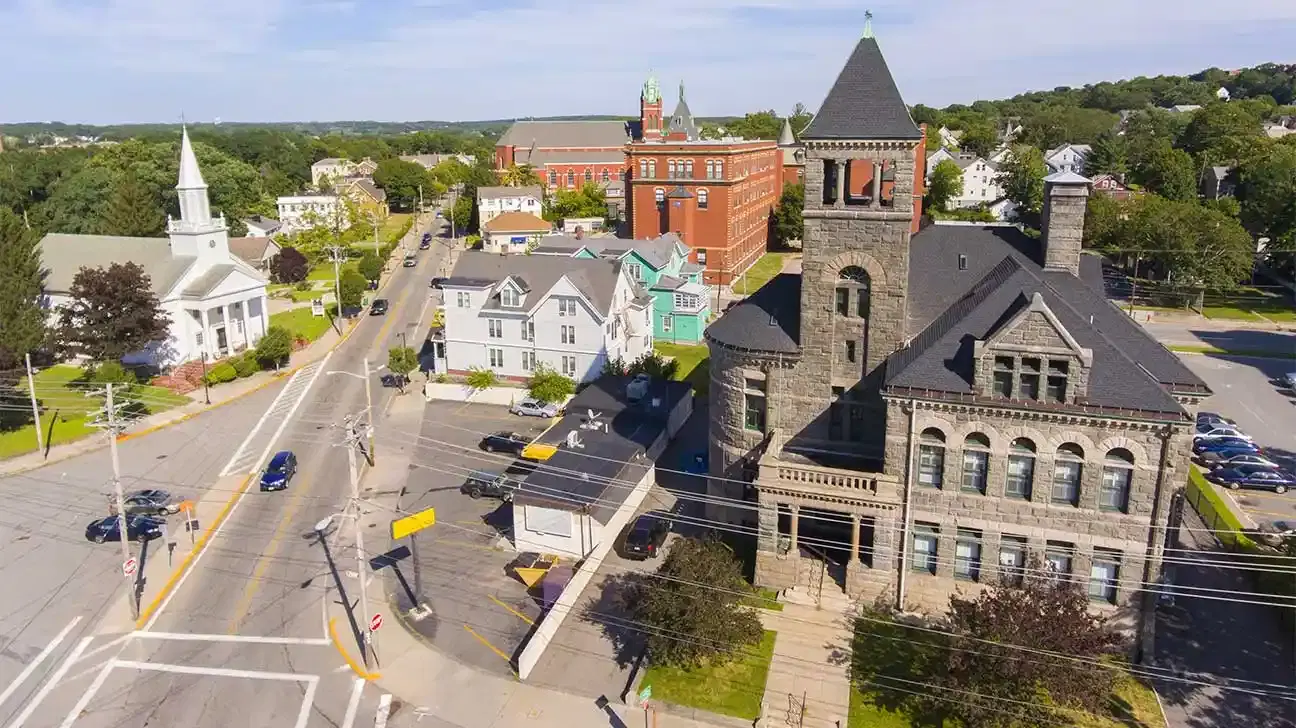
x,y
368,385
353,439
206,391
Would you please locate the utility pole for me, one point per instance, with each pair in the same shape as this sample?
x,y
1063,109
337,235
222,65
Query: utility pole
x,y
352,441
31,386
368,385
112,426
374,217
337,283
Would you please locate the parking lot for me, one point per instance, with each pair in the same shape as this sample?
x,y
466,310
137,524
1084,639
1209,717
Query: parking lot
x,y
1247,391
482,614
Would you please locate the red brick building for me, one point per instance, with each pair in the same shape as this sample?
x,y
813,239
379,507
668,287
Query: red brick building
x,y
715,194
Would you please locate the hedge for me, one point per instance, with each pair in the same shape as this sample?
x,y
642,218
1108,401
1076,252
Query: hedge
x,y
246,365
221,373
1215,512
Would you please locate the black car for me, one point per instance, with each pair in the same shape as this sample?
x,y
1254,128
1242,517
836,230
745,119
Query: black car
x,y
151,502
437,281
645,536
492,485
281,469
139,528
427,238
378,307
425,244
504,441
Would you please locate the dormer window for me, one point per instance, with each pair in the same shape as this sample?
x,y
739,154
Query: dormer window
x,y
510,298
1057,380
1004,373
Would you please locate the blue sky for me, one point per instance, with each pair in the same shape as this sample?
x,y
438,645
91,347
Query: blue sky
x,y
113,61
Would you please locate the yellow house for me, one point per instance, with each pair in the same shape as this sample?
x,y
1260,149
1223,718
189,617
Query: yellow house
x,y
368,198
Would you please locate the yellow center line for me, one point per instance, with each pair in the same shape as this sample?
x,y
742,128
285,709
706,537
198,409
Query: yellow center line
x,y
254,586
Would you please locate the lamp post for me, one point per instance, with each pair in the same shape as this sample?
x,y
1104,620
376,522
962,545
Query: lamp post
x,y
367,379
206,391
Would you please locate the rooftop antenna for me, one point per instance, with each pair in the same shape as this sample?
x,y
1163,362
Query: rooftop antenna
x,y
868,23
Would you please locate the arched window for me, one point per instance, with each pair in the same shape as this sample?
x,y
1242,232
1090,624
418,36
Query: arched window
x,y
710,169
589,175
1068,465
853,283
1021,469
1117,474
976,462
702,195
659,195
670,169
688,169
571,178
605,175
643,168
931,458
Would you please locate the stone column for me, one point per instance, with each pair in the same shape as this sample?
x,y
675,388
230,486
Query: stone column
x,y
855,538
886,535
876,184
843,166
796,518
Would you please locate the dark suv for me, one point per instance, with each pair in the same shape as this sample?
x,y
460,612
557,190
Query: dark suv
x,y
378,307
645,536
503,441
492,485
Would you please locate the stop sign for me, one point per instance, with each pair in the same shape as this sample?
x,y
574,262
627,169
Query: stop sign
x,y
375,622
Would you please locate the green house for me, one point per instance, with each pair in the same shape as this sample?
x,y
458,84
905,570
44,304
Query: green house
x,y
681,302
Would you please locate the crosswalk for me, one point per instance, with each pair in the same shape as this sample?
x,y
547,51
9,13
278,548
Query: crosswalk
x,y
245,459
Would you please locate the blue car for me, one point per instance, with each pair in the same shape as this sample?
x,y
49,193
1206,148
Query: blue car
x,y
282,467
1223,443
139,528
1254,476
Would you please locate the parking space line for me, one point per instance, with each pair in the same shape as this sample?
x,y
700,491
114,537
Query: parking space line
x,y
353,705
308,701
491,647
514,612
53,682
31,666
86,697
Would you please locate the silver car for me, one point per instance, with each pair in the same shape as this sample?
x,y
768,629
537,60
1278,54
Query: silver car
x,y
1289,381
531,407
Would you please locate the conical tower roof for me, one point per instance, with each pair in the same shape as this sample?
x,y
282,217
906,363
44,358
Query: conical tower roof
x,y
786,138
190,176
863,102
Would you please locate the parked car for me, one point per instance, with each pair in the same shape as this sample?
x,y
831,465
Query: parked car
x,y
1232,458
531,407
1208,431
280,470
1200,447
151,502
437,281
427,238
492,485
410,261
1253,476
378,307
138,528
1213,418
1289,381
504,441
644,537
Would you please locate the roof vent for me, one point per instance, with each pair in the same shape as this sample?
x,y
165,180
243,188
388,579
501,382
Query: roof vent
x,y
962,260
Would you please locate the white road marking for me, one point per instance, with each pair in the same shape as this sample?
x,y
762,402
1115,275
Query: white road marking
x,y
307,701
230,516
238,459
255,639
354,705
49,684
384,707
106,646
88,695
215,671
27,671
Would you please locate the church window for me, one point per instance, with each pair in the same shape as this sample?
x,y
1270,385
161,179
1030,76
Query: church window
x,y
670,169
571,178
643,168
710,169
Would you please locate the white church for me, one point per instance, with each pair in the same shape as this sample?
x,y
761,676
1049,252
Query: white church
x,y
216,302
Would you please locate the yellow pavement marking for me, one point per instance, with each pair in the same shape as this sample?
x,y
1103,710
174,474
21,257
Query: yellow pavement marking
x,y
486,642
298,495
356,667
515,612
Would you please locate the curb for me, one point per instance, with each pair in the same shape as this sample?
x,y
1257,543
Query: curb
x,y
350,661
207,408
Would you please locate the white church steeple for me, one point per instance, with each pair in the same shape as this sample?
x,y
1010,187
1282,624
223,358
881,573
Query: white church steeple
x,y
197,233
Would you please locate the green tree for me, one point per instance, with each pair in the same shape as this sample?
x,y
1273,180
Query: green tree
x,y
693,609
110,313
979,138
1267,192
402,180
462,213
402,361
274,347
479,378
289,266
1108,155
654,365
997,688
945,184
757,125
799,118
370,266
1184,242
1051,126
1022,178
351,287
1213,132
76,205
788,224
22,278
519,175
1167,171
1102,222
132,210
548,385
589,201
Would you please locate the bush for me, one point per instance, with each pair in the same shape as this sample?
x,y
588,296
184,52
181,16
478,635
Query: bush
x,y
479,378
111,372
303,286
289,266
274,348
246,365
548,385
221,373
371,266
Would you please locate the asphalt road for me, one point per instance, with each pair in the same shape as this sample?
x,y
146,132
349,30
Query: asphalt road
x,y
241,640
1223,336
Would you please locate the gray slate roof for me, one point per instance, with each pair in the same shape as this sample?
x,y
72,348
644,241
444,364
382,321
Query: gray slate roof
x,y
769,320
251,250
207,282
682,119
541,157
550,134
64,255
595,278
495,193
863,102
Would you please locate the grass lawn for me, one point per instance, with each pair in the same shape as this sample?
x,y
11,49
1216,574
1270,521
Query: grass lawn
x,y
734,688
768,266
394,226
694,363
301,323
61,392
324,271
1205,349
764,598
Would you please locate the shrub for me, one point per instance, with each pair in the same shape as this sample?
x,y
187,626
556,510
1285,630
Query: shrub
x,y
247,365
303,286
111,372
479,378
548,385
289,266
274,348
221,373
371,266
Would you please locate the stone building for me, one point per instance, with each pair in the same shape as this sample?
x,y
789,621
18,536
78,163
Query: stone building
x,y
923,413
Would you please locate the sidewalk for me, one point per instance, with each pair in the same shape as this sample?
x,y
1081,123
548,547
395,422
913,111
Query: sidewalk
x,y
426,682
810,669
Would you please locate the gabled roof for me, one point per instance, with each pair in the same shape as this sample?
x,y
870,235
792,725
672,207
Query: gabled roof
x,y
64,255
499,193
269,224
551,134
367,186
595,278
251,250
863,102
516,221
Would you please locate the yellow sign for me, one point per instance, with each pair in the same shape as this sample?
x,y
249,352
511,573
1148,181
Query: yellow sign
x,y
538,451
403,527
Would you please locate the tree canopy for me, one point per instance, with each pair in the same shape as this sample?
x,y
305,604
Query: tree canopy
x,y
402,181
1022,178
548,385
588,201
112,312
788,224
22,320
944,184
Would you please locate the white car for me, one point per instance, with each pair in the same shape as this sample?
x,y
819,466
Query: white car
x,y
1215,432
531,407
1253,458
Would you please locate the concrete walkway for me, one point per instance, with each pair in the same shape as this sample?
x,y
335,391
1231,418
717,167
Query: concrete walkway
x,y
810,672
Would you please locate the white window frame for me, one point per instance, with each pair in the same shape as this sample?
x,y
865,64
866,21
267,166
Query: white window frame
x,y
667,322
569,366
702,198
659,195
495,328
926,546
510,298
566,307
1104,576
463,299
701,256
528,361
495,356
528,330
568,334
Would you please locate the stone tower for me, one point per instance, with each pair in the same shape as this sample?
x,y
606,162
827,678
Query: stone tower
x,y
650,109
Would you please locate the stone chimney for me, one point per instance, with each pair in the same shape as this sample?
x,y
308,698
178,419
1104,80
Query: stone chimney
x,y
1065,197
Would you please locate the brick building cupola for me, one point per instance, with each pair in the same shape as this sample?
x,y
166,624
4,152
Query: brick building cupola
x,y
651,122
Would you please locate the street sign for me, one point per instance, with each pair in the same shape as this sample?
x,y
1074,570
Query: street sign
x,y
402,527
645,694
128,566
375,622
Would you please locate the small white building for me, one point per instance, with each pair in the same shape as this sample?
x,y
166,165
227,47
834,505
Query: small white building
x,y
328,171
513,313
949,137
216,302
302,212
936,157
1067,158
513,232
493,201
1222,93
979,185
259,226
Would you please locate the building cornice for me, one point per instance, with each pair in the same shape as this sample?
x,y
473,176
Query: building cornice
x,y
1067,416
